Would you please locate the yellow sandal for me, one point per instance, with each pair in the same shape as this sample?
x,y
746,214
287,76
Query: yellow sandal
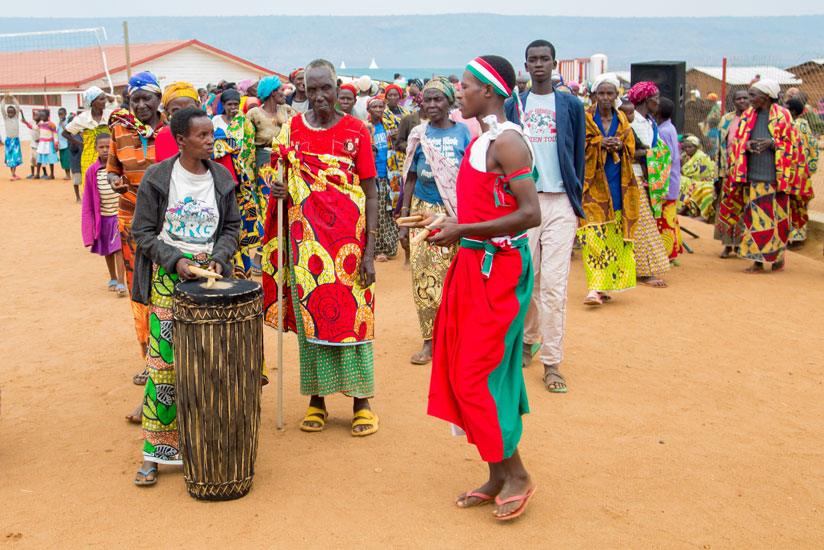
x,y
364,417
314,414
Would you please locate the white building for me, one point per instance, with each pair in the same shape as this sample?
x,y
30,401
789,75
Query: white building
x,y
57,77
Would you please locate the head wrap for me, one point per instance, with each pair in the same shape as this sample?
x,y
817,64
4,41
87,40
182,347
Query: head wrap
x,y
694,140
144,81
267,86
91,94
351,88
487,74
365,83
179,89
393,87
294,74
417,82
768,86
229,95
712,96
371,99
606,78
442,85
641,91
574,84
244,85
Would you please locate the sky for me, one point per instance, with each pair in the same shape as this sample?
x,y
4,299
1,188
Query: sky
x,y
594,8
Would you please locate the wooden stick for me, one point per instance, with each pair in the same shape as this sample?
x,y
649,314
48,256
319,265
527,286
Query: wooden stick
x,y
409,219
200,272
690,233
281,257
427,230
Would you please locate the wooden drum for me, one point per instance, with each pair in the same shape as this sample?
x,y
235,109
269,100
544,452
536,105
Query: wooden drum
x,y
218,350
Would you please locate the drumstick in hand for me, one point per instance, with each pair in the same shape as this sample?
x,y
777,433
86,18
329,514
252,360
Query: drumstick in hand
x,y
209,275
427,230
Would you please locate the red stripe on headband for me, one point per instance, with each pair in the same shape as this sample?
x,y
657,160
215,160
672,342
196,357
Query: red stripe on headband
x,y
494,73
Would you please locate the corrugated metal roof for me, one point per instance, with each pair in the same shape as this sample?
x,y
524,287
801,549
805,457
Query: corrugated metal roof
x,y
72,68
745,75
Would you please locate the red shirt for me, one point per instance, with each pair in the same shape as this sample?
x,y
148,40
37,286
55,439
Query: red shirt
x,y
349,138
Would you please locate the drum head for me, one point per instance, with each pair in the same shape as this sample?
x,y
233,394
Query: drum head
x,y
225,291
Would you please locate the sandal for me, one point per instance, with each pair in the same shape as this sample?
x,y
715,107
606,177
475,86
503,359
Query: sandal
x,y
520,509
112,285
558,385
314,414
140,379
364,417
593,299
778,266
121,290
484,499
653,282
146,481
527,355
381,258
418,359
752,270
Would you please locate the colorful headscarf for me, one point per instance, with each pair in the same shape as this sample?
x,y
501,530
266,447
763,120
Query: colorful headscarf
x,y
694,140
351,88
641,91
267,86
91,94
393,87
417,82
144,81
294,74
179,89
244,85
371,99
487,74
442,85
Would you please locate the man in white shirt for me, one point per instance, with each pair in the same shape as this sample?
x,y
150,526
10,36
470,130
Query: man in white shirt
x,y
556,126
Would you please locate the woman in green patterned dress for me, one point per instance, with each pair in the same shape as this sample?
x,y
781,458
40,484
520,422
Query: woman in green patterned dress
x,y
186,214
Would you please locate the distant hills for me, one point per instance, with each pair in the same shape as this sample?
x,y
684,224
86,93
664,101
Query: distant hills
x,y
282,43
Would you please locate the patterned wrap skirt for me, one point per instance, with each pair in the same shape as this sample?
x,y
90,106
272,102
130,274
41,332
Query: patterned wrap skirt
x,y
766,223
650,255
387,235
430,265
14,157
609,261
670,229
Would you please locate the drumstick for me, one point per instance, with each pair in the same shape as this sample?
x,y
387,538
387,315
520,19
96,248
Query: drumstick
x,y
209,275
409,219
427,230
280,300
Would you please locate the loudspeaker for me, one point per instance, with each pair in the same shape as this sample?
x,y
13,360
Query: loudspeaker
x,y
671,79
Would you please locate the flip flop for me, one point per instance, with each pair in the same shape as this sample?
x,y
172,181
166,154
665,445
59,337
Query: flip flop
x,y
314,414
146,482
780,268
364,417
112,285
485,499
558,379
420,361
593,300
520,509
651,282
121,290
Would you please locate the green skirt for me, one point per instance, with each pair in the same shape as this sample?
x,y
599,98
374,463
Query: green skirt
x,y
325,370
609,260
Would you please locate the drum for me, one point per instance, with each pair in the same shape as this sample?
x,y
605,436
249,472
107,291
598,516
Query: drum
x,y
218,354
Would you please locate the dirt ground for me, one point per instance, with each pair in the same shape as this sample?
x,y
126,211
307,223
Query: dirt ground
x,y
694,418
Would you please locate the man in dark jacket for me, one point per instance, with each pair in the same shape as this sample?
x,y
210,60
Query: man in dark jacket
x,y
556,126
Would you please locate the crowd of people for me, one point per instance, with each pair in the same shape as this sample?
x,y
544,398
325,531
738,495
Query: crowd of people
x,y
488,183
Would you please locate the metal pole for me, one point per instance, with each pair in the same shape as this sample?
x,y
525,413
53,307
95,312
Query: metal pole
x,y
126,45
281,257
724,85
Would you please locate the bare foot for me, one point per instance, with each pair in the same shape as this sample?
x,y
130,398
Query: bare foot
x,y
756,267
137,415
